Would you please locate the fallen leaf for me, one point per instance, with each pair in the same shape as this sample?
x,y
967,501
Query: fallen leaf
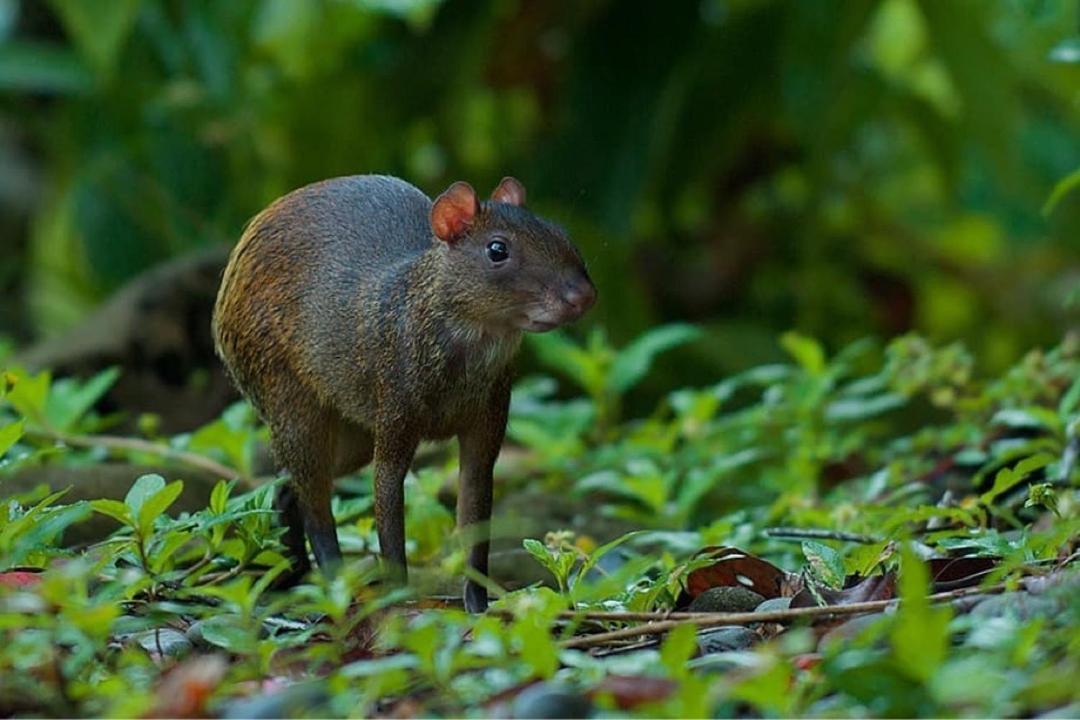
x,y
734,567
875,587
953,573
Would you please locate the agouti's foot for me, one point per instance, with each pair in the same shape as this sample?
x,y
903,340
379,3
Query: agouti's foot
x,y
476,598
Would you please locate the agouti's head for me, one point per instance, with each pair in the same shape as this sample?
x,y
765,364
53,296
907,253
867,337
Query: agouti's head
x,y
510,268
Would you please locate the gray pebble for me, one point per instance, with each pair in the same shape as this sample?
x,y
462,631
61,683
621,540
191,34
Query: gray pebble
x,y
725,638
549,700
726,599
774,605
300,700
1020,605
171,643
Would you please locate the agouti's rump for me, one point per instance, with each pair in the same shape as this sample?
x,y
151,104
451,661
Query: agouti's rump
x,y
360,318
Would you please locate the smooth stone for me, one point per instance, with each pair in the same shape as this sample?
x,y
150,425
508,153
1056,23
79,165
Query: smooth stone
x,y
774,605
1020,605
725,639
169,642
300,700
549,700
732,598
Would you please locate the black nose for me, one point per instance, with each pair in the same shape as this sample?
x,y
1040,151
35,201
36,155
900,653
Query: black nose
x,y
580,294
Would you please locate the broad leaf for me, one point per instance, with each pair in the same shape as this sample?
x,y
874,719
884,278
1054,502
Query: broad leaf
x,y
633,362
153,506
826,564
98,27
9,435
143,488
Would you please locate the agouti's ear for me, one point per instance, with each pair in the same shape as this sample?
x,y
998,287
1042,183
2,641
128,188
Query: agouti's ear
x,y
509,191
453,211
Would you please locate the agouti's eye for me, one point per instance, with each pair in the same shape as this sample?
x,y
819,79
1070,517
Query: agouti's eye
x,y
497,251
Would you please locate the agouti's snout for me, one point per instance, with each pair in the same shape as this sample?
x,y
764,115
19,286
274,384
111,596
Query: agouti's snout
x,y
562,304
579,295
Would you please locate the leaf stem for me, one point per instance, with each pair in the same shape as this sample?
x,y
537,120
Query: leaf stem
x,y
705,620
820,534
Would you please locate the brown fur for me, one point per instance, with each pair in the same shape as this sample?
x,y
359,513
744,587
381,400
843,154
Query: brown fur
x,y
360,318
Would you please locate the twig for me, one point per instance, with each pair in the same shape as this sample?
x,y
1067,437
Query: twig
x,y
116,442
820,534
704,620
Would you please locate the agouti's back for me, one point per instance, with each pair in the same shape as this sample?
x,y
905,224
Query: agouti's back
x,y
290,291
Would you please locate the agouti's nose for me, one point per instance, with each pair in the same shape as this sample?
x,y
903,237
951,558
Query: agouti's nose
x,y
580,294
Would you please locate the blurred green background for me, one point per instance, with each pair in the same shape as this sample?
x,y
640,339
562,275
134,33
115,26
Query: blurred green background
x,y
844,168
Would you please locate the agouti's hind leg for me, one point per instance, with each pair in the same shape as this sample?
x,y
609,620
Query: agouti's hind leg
x,y
305,446
288,508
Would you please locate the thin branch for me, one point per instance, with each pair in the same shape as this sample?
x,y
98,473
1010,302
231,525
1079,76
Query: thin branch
x,y
820,534
705,620
127,444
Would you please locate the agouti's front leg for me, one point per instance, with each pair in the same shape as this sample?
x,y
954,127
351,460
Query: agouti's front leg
x,y
479,448
394,451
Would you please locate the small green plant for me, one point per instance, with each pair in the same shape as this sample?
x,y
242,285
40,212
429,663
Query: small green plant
x,y
605,373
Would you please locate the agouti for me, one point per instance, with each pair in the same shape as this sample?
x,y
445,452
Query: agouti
x,y
359,318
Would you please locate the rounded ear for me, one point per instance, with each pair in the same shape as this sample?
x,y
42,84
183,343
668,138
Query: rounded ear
x,y
453,211
509,191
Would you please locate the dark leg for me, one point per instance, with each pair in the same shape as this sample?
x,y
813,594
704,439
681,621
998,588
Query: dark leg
x,y
289,512
304,444
480,446
322,532
394,451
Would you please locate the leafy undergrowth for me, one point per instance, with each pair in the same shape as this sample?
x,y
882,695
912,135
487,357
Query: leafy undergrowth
x,y
894,535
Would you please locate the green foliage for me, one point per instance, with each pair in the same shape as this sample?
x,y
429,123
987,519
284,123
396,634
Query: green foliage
x,y
866,441
849,170
606,374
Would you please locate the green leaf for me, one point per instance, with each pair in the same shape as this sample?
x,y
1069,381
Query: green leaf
x,y
98,28
43,531
9,435
770,689
227,632
28,394
538,650
1070,401
557,563
285,29
826,564
1064,186
1010,477
1043,494
806,351
1033,416
41,68
219,496
595,555
678,647
70,399
920,633
142,489
114,509
558,352
633,362
152,507
863,408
